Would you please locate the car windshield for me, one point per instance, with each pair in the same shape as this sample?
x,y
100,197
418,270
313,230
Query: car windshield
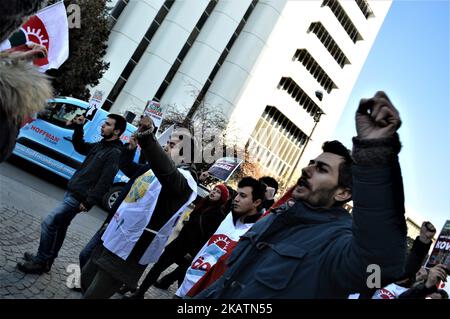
x,y
60,113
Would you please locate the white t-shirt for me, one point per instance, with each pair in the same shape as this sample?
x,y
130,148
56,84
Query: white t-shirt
x,y
134,214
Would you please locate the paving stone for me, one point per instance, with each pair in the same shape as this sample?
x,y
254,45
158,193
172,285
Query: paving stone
x,y
19,233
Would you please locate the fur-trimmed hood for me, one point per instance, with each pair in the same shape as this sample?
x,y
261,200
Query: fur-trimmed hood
x,y
23,91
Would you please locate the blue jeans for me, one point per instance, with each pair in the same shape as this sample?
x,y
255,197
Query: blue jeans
x,y
89,248
54,229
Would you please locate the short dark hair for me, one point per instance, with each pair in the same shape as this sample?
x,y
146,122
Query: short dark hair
x,y
120,124
258,188
345,169
345,178
269,181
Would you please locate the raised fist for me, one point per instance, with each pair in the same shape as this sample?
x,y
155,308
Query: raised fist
x,y
377,117
427,232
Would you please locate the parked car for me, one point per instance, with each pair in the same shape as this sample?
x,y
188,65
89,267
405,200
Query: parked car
x,y
46,140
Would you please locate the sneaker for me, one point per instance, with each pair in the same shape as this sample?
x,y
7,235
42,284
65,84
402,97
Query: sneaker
x,y
31,267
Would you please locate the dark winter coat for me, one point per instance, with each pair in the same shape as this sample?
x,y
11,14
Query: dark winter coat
x,y
308,253
174,193
96,175
202,223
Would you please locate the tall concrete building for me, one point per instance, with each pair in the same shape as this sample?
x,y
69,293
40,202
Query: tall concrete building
x,y
280,71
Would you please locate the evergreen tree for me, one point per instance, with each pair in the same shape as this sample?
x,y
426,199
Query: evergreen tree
x,y
87,47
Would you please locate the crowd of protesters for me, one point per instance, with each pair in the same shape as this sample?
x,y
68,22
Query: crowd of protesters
x,y
236,243
242,243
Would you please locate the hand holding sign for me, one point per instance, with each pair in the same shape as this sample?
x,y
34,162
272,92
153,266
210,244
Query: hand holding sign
x,y
435,275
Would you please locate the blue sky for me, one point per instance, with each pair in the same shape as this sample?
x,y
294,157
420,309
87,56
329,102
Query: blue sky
x,y
409,60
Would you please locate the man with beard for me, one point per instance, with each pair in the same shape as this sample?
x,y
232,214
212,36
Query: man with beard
x,y
315,248
132,170
144,219
85,189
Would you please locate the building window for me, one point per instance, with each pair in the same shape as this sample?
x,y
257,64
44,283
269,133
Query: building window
x,y
184,51
222,57
296,92
137,55
322,34
343,19
117,11
276,143
365,8
303,56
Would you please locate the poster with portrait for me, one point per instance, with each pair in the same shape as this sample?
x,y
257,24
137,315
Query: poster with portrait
x,y
441,250
94,104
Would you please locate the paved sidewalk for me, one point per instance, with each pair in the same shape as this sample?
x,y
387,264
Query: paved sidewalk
x,y
19,232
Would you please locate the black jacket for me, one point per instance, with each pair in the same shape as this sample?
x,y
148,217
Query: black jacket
x,y
96,174
174,193
325,253
199,228
414,261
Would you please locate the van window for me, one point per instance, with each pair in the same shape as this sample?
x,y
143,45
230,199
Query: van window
x,y
59,113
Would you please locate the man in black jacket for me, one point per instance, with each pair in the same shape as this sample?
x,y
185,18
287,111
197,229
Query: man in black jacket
x,y
85,189
315,249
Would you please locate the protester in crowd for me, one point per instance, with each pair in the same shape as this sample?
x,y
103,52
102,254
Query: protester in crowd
x,y
23,89
202,223
424,289
86,188
315,249
245,212
132,170
144,220
271,190
414,261
218,269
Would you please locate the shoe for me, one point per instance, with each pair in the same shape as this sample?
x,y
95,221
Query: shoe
x,y
77,289
162,285
135,295
124,289
28,256
31,267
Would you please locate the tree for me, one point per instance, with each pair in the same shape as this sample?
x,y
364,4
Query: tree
x,y
87,47
210,128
